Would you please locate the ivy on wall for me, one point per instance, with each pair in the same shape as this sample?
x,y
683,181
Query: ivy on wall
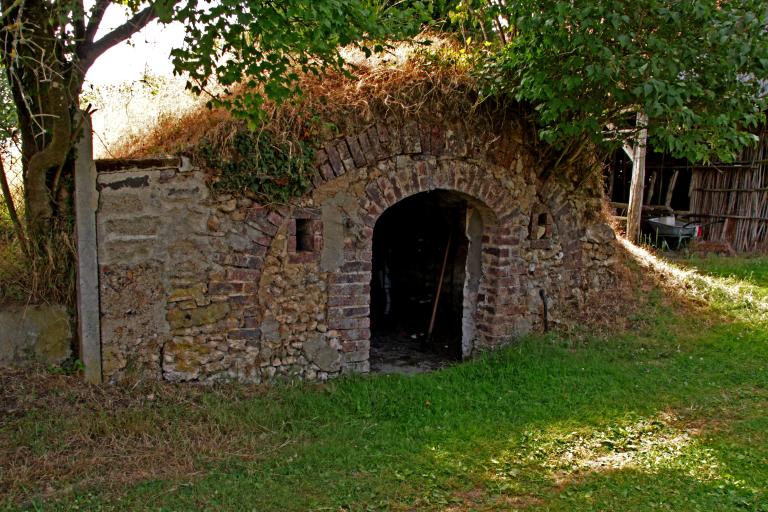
x,y
258,165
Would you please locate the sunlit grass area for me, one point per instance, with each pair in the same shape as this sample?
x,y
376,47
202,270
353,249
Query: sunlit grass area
x,y
669,415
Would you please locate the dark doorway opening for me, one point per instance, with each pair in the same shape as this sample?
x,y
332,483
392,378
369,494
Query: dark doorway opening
x,y
420,246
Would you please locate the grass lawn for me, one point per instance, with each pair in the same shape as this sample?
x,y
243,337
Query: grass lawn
x,y
670,415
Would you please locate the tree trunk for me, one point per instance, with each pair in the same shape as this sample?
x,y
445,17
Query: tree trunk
x,y
635,208
45,89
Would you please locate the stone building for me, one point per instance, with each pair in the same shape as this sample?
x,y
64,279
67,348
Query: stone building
x,y
199,287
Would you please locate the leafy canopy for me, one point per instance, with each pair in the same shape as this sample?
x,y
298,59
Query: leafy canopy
x,y
694,67
256,49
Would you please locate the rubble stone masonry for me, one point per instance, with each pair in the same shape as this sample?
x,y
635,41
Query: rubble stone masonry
x,y
201,288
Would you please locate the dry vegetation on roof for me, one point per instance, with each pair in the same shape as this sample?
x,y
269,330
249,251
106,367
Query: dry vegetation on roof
x,y
409,81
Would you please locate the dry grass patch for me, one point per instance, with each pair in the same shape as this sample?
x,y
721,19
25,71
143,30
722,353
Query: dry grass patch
x,y
406,82
59,434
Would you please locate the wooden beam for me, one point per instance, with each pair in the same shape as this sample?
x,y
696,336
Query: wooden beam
x,y
671,189
635,207
700,189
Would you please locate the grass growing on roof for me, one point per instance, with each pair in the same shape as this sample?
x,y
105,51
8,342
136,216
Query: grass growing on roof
x,y
411,81
669,415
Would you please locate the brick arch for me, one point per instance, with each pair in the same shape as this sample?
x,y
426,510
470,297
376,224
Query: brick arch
x,y
447,174
349,290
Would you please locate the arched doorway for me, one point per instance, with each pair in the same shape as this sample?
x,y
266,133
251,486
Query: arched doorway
x,y
426,274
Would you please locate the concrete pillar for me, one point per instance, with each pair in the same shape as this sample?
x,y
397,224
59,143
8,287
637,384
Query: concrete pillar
x,y
86,203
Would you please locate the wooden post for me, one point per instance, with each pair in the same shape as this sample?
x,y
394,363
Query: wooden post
x,y
635,207
611,178
439,287
671,189
651,187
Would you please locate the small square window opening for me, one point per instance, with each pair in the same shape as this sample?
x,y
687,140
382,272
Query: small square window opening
x,y
305,240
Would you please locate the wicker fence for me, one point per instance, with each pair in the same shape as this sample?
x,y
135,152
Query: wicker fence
x,y
736,197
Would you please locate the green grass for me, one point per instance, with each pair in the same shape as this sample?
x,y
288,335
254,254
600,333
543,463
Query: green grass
x,y
672,415
753,270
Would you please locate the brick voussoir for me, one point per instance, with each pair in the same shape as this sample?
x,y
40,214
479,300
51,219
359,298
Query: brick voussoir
x,y
335,160
356,151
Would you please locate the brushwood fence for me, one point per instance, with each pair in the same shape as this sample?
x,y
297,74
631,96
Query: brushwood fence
x,y
734,199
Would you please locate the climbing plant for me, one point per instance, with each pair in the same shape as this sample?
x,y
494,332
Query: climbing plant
x,y
256,163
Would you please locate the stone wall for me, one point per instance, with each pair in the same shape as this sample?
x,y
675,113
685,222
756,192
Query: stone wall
x,y
200,288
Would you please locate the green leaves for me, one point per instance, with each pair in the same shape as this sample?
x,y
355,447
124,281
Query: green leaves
x,y
694,67
265,44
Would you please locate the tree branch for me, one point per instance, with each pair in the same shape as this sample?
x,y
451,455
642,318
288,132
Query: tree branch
x,y
90,52
10,8
95,20
78,20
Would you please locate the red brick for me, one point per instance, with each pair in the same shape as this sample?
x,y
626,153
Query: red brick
x,y
348,301
357,312
355,346
437,144
327,171
335,160
356,266
257,218
383,133
346,278
413,183
346,157
387,191
403,183
373,139
396,189
264,241
424,182
224,288
370,220
321,157
358,254
373,192
349,323
302,257
239,300
357,153
275,219
251,321
472,178
365,149
348,289
394,144
355,334
425,132
243,274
